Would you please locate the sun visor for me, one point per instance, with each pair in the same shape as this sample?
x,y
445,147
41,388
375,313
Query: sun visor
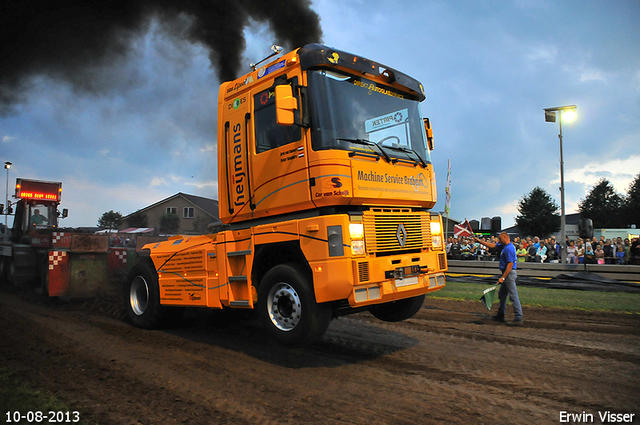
x,y
315,55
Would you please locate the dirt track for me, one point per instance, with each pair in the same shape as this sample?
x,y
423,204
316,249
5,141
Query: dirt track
x,y
449,364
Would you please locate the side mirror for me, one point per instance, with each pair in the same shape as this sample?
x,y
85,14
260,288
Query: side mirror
x,y
1,208
429,132
285,104
65,213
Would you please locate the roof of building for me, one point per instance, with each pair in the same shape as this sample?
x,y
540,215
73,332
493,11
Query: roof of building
x,y
207,205
570,219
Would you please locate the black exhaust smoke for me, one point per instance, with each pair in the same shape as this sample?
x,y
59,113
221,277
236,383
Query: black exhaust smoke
x,y
69,40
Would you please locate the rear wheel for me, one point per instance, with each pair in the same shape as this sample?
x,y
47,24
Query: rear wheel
x,y
397,311
44,276
143,297
11,273
4,261
287,306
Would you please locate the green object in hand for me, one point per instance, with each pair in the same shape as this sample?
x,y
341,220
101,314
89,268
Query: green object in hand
x,y
487,297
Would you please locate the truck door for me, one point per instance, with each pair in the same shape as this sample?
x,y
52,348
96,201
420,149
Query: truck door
x,y
279,161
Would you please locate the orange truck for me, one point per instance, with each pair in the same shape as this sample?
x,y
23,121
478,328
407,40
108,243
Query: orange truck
x,y
326,187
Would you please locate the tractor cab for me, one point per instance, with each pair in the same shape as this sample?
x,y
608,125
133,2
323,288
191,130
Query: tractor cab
x,y
36,211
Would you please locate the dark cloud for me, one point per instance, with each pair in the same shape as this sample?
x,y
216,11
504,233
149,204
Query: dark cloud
x,y
73,40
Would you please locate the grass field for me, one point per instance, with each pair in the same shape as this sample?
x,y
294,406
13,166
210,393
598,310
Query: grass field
x,y
17,396
544,297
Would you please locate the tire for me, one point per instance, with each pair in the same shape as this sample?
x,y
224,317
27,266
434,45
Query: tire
x,y
44,276
287,306
398,311
11,273
3,270
143,297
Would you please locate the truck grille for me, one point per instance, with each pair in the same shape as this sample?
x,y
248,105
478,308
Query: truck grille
x,y
442,261
363,272
383,232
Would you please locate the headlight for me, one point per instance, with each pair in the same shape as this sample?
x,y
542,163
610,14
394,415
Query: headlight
x,y
356,230
436,235
357,247
435,228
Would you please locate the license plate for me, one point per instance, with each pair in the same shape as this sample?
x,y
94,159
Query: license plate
x,y
407,281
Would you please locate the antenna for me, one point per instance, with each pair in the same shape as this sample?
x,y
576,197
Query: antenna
x,y
276,50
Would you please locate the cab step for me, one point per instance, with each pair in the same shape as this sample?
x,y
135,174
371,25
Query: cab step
x,y
239,253
241,278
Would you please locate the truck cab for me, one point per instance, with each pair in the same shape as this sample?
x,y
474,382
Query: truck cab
x,y
355,138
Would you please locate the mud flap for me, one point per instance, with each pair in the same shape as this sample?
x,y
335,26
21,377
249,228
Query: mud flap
x,y
58,270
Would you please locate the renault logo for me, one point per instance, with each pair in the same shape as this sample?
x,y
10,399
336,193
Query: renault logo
x,y
401,234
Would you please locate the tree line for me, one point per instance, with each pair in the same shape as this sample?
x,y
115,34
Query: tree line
x,y
538,213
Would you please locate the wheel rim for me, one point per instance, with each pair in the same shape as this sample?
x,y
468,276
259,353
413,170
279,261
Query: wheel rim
x,y
139,295
284,307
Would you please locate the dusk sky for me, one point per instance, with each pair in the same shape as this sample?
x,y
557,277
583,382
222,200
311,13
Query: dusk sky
x,y
147,128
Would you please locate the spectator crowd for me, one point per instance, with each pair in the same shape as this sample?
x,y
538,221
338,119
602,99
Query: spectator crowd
x,y
580,251
122,241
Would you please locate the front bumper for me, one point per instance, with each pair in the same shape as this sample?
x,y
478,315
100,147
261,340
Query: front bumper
x,y
385,279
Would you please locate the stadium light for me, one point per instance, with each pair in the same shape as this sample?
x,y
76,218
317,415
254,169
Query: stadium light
x,y
550,116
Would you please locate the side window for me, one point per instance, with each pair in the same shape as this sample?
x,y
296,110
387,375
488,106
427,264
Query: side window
x,y
172,210
188,212
270,134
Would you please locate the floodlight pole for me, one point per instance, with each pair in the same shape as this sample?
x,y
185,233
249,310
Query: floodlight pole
x,y
7,165
563,230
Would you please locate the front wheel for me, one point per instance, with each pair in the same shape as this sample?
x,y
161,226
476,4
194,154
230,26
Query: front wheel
x,y
143,297
397,311
287,306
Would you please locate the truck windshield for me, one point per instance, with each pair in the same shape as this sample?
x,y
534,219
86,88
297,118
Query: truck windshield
x,y
356,114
